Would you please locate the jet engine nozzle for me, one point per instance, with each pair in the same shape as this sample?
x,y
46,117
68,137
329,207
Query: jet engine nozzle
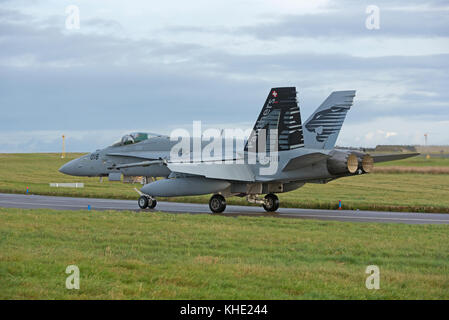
x,y
367,163
342,163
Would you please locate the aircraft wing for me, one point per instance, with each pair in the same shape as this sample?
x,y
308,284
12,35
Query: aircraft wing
x,y
217,170
390,157
304,161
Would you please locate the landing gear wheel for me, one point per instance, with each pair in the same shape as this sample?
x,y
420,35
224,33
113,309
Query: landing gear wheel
x,y
143,202
217,203
152,203
271,202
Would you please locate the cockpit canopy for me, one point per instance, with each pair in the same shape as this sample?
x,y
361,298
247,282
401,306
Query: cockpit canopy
x,y
134,137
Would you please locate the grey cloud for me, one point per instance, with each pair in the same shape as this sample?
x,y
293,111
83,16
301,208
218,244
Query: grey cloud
x,y
351,23
99,81
325,62
47,41
346,19
434,4
10,15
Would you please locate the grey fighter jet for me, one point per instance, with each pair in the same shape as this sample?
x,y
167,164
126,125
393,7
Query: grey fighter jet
x,y
280,155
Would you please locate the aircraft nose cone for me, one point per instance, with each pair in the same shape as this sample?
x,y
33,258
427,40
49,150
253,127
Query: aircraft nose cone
x,y
69,168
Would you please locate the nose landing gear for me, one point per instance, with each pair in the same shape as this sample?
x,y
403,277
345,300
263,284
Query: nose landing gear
x,y
217,203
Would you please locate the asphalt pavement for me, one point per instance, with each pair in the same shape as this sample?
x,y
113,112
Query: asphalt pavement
x,y
69,203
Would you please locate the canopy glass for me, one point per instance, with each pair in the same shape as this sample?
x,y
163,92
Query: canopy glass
x,y
134,137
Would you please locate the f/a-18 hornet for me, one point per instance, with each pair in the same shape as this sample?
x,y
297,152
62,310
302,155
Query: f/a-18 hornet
x,y
280,155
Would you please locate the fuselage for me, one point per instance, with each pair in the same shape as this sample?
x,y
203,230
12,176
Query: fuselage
x,y
104,162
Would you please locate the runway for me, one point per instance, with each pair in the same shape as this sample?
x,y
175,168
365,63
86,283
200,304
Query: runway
x,y
68,203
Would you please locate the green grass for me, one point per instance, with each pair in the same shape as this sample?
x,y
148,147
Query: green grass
x,y
419,161
129,255
393,192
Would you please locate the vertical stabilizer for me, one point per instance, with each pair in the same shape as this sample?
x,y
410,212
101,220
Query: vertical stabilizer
x,y
280,112
323,126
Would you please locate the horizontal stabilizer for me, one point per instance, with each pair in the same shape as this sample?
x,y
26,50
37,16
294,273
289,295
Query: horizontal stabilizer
x,y
304,161
391,157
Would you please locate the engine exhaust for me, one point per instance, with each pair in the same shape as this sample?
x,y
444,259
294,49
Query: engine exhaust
x,y
352,163
367,163
343,163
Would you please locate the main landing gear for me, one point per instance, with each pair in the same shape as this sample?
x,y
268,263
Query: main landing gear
x,y
270,203
146,202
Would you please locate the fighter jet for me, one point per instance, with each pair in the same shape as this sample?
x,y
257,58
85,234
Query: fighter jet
x,y
280,155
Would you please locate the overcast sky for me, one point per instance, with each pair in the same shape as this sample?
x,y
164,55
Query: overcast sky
x,y
158,65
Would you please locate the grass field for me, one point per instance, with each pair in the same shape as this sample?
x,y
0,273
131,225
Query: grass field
x,y
419,161
128,255
389,191
410,169
434,165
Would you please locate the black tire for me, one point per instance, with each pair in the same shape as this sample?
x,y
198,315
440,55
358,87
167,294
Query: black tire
x,y
272,202
143,202
152,203
217,203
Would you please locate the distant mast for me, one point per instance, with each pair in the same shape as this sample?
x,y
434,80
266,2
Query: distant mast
x,y
63,147
425,144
